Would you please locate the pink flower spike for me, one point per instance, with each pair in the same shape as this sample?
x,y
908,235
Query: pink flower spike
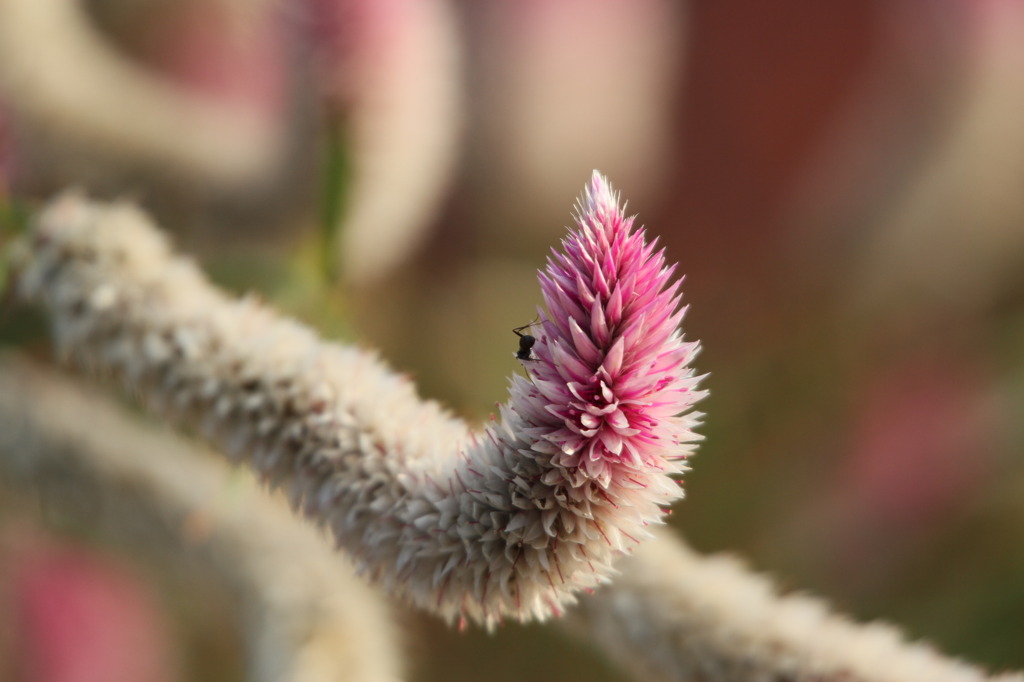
x,y
598,341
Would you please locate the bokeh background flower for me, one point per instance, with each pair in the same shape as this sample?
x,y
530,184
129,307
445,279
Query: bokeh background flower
x,y
839,181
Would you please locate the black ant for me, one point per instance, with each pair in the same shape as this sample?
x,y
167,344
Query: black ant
x,y
525,341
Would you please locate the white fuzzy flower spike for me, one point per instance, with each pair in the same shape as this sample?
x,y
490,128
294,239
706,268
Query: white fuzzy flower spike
x,y
510,522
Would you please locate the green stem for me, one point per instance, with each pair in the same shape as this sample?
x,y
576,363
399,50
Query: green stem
x,y
332,196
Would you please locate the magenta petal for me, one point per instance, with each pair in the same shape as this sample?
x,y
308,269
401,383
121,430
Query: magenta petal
x,y
588,352
598,326
618,420
568,365
613,360
614,306
611,440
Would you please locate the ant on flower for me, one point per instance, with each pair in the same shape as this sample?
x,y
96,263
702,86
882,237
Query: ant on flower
x,y
525,341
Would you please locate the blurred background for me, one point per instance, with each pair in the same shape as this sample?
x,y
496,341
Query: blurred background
x,y
841,182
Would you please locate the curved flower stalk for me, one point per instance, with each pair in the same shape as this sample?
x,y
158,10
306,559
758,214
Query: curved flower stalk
x,y
65,84
307,617
676,615
510,521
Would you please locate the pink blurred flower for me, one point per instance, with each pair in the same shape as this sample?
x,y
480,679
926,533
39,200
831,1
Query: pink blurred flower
x,y
80,619
923,443
233,54
536,67
389,69
89,113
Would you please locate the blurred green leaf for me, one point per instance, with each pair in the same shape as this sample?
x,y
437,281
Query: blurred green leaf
x,y
13,223
333,195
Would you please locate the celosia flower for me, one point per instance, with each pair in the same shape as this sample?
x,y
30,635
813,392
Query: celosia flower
x,y
508,522
612,378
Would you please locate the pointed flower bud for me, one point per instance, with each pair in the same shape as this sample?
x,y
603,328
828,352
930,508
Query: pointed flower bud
x,y
511,521
612,384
